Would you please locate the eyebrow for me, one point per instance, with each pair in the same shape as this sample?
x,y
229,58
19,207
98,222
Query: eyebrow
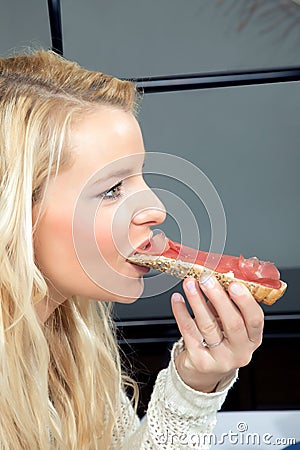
x,y
122,173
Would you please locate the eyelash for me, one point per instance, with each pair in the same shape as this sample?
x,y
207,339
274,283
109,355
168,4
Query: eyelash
x,y
114,196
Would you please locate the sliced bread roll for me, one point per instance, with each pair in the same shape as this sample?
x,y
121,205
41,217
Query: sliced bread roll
x,y
183,269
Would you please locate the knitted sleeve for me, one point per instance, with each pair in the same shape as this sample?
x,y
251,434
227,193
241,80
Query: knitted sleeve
x,y
178,417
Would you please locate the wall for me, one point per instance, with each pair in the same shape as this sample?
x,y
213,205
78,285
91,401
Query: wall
x,y
245,139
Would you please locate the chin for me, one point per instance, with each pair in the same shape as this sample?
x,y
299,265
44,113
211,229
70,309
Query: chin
x,y
126,300
127,292
133,290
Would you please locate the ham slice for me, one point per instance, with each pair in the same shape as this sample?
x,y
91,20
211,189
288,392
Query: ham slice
x,y
179,260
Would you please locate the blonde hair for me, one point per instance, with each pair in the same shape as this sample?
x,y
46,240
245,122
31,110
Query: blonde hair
x,y
60,381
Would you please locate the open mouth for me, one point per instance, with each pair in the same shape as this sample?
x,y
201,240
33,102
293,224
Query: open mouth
x,y
156,245
143,249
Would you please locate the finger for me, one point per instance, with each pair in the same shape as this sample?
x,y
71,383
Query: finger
x,y
214,312
251,311
230,316
186,324
205,319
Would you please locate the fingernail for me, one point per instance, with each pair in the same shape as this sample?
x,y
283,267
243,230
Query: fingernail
x,y
236,288
207,281
177,297
191,287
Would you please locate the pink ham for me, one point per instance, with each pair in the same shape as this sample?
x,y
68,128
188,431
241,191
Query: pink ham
x,y
251,269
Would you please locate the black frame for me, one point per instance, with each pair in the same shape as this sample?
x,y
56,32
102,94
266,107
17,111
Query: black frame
x,y
54,11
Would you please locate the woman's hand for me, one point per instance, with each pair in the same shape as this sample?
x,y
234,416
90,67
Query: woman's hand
x,y
234,324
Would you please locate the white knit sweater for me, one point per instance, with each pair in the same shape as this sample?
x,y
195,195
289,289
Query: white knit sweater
x,y
178,417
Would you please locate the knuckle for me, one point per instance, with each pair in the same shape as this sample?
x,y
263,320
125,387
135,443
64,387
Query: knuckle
x,y
236,325
257,319
210,328
258,341
228,366
203,366
257,323
244,360
238,361
188,326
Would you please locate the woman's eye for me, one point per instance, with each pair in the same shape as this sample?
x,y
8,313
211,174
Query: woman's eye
x,y
112,193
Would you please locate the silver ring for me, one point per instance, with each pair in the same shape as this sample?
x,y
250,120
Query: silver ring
x,y
216,344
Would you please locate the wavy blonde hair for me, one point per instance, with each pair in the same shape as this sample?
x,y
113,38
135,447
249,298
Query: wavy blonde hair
x,y
60,381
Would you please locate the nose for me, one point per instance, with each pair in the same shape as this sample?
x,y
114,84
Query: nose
x,y
151,210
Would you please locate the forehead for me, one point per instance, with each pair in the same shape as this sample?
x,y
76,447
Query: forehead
x,y
105,135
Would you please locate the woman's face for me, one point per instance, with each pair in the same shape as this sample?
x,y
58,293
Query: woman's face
x,y
97,212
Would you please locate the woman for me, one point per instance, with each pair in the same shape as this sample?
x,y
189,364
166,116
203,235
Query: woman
x,y
74,205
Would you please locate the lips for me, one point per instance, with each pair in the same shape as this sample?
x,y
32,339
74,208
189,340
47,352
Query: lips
x,y
156,245
144,246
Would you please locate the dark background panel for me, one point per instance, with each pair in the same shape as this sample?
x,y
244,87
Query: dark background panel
x,y
141,38
269,382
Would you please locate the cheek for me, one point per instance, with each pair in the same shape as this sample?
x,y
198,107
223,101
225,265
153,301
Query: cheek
x,y
84,255
53,241
111,231
103,234
61,225
104,240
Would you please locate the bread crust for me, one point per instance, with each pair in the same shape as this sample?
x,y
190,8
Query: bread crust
x,y
183,269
